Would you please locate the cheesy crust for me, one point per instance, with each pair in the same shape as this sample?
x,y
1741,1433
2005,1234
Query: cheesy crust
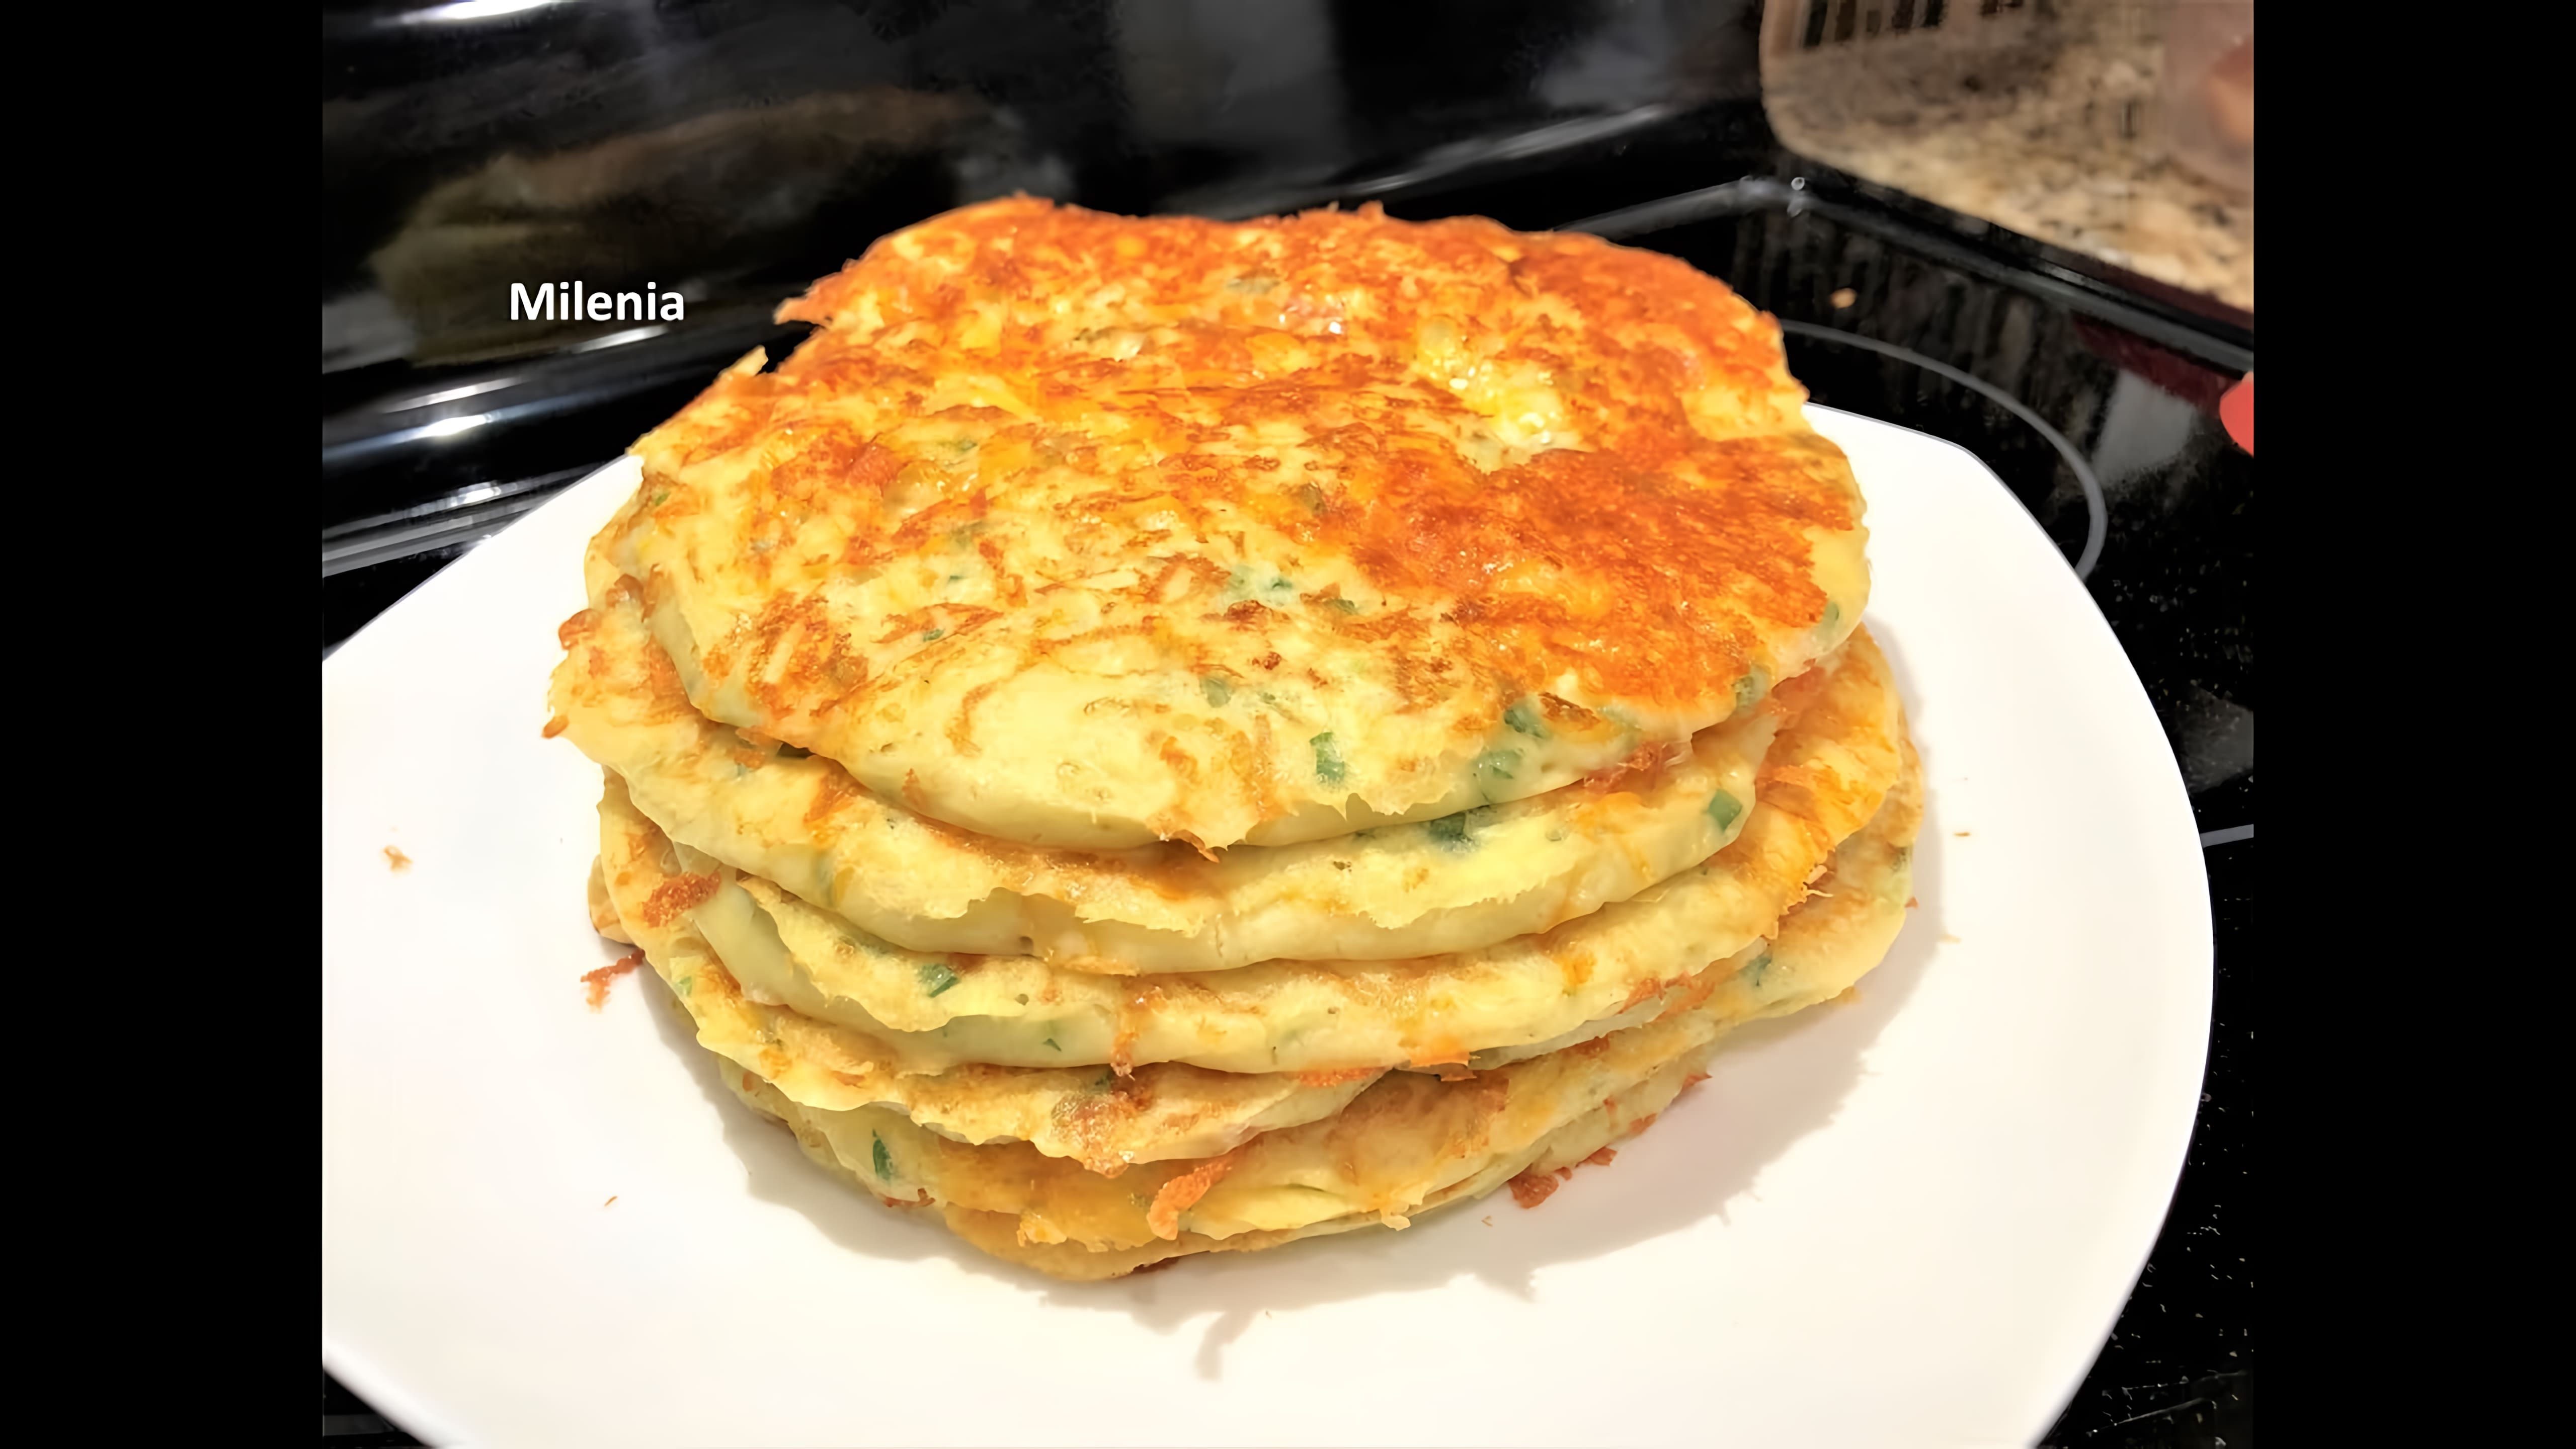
x,y
1074,529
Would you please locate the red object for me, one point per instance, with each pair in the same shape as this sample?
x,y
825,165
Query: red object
x,y
2236,410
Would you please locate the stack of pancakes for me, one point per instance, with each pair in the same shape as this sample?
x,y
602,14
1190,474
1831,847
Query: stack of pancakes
x,y
1154,737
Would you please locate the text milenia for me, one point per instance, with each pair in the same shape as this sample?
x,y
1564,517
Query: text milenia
x,y
572,302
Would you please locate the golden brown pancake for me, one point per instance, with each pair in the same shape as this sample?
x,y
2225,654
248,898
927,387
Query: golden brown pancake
x,y
1439,886
1075,529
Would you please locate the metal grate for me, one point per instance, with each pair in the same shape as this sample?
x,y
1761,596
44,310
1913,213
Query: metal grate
x,y
1796,25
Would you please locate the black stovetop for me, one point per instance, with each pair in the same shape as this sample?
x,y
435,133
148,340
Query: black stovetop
x,y
2093,396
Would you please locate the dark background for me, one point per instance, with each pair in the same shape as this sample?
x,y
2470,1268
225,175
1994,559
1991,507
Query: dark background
x,y
737,150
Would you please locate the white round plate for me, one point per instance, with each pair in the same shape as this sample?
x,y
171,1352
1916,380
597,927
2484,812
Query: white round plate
x,y
1908,1219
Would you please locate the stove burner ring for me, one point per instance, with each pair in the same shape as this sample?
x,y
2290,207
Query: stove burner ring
x,y
2097,520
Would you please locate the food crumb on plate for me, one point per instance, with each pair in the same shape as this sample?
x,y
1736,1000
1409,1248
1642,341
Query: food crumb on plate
x,y
597,981
612,1197
1532,1188
396,859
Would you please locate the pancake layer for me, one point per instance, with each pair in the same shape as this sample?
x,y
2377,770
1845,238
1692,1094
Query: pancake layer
x,y
1407,1144
1452,884
1081,530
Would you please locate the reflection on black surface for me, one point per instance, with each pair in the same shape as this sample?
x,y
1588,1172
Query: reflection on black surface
x,y
737,150
687,208
2096,516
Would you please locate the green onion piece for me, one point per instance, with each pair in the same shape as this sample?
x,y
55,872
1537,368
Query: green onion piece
x,y
1328,759
1749,688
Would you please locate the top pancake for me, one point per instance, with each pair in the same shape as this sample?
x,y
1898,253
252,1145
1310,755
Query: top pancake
x,y
1079,530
